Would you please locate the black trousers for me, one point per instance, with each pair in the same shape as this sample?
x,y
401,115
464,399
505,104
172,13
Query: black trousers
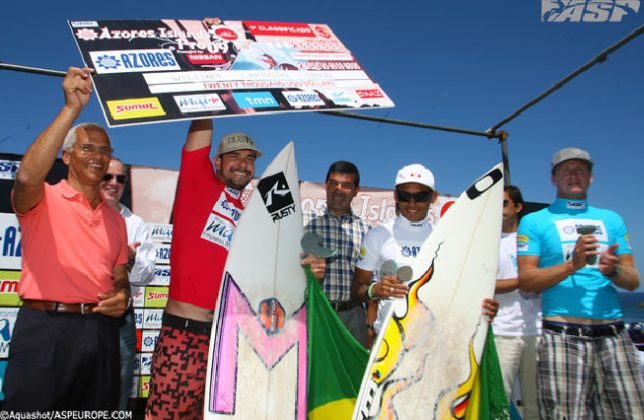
x,y
62,361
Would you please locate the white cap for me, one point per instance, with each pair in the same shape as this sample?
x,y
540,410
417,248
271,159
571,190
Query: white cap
x,y
570,153
417,174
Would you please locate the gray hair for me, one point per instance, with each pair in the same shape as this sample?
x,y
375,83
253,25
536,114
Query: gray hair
x,y
70,138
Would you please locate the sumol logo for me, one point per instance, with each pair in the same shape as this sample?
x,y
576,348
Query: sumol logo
x,y
589,11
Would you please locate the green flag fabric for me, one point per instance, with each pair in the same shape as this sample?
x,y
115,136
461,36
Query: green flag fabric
x,y
488,400
337,361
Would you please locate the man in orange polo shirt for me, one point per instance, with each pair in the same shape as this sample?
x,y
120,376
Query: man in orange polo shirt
x,y
64,351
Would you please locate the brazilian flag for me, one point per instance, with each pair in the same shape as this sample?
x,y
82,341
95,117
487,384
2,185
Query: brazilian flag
x,y
337,361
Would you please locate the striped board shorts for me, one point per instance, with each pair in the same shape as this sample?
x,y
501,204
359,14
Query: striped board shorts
x,y
587,372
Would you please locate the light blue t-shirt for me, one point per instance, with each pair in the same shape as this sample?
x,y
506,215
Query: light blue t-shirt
x,y
551,234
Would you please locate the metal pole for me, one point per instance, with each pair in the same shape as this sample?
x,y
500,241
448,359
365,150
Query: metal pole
x,y
35,70
488,134
503,139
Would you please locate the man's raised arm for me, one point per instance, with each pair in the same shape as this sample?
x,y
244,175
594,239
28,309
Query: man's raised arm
x,y
28,188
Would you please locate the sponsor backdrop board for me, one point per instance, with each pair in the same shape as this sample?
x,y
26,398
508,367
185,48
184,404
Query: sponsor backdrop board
x,y
165,70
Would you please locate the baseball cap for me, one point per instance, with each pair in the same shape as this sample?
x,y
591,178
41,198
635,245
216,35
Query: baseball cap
x,y
415,173
570,153
236,141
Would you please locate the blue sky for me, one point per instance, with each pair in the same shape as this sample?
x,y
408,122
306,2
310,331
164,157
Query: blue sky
x,y
463,64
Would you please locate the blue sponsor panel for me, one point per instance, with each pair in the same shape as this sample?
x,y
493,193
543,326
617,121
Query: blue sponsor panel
x,y
163,254
160,232
3,368
10,242
7,322
161,276
8,169
255,100
131,61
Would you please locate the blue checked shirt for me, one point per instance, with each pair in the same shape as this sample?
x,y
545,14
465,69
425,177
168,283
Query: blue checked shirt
x,y
343,234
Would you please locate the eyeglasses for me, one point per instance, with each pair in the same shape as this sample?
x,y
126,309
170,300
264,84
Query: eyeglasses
x,y
88,148
119,178
505,203
419,197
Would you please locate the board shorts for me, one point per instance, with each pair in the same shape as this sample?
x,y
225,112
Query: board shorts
x,y
179,368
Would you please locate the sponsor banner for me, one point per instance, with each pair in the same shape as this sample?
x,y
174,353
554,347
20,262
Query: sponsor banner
x,y
161,276
10,245
145,363
138,318
255,100
7,322
8,169
134,387
3,368
9,281
374,205
149,340
195,70
588,11
302,98
138,297
152,318
156,297
128,109
200,103
133,61
144,382
160,232
163,253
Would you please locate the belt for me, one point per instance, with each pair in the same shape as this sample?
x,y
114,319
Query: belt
x,y
582,330
343,306
186,324
72,308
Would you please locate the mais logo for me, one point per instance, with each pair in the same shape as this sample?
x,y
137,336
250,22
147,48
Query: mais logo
x,y
128,109
588,11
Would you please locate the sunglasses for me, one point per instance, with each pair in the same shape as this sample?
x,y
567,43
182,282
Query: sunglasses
x,y
419,197
119,178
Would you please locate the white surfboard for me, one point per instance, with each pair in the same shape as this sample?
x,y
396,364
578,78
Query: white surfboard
x,y
257,361
427,354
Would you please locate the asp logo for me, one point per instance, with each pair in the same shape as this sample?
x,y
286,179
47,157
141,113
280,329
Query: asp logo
x,y
133,61
8,169
277,196
589,11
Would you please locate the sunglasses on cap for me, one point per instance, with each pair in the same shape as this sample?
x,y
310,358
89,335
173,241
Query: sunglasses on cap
x,y
119,178
419,197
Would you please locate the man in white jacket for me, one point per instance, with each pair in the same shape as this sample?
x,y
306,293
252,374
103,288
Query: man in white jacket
x,y
141,260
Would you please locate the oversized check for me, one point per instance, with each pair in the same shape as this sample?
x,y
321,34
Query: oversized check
x,y
165,70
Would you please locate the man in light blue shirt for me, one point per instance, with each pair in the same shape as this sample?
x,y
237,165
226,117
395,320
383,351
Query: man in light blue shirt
x,y
577,256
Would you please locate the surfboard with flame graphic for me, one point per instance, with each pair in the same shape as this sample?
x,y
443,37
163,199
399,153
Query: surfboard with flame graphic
x,y
426,357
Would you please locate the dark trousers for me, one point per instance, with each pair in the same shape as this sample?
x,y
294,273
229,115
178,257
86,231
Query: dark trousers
x,y
62,361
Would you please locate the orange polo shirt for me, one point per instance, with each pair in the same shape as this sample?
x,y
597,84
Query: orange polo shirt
x,y
69,250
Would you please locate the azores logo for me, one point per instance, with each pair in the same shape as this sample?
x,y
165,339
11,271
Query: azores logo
x,y
277,196
133,61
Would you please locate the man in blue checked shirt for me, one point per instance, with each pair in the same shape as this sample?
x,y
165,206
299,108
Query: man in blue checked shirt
x,y
341,230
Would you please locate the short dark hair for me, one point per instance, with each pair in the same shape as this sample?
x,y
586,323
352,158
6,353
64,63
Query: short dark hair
x,y
515,195
344,167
